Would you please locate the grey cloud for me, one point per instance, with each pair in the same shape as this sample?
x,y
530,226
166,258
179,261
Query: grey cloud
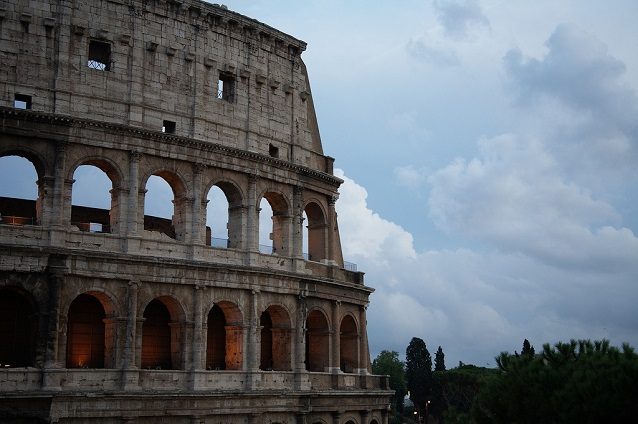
x,y
579,72
419,49
458,17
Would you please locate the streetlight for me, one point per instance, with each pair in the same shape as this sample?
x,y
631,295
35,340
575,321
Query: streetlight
x,y
427,414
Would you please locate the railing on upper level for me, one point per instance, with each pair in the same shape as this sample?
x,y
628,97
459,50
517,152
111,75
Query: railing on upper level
x,y
17,220
97,227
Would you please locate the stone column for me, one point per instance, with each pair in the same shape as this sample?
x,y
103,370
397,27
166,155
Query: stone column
x,y
139,326
182,217
58,209
129,368
384,416
56,279
301,418
252,227
117,213
331,220
252,343
336,417
335,365
198,220
363,340
297,222
300,343
45,201
364,417
133,214
198,330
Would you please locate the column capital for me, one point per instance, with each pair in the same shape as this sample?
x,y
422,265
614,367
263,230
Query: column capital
x,y
134,156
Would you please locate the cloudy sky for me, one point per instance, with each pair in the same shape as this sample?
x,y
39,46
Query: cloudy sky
x,y
490,158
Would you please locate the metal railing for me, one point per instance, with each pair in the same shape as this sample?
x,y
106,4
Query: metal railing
x,y
349,266
92,227
219,243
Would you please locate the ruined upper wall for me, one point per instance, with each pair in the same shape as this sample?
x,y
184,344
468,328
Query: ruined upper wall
x,y
150,63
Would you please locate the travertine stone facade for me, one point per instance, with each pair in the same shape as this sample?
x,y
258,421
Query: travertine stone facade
x,y
115,316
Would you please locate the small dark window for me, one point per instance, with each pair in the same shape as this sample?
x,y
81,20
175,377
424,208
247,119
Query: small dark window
x,y
273,151
168,127
22,101
226,87
99,55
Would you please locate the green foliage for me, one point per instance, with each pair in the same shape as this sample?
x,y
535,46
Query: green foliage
x,y
454,391
418,373
388,363
575,382
439,360
528,349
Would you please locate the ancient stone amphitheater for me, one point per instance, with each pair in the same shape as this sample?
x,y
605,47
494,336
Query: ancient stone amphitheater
x,y
112,315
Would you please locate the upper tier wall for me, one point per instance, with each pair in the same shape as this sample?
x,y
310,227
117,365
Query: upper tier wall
x,y
149,64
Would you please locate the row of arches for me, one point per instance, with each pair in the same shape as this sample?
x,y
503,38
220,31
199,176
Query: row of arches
x,y
98,203
91,338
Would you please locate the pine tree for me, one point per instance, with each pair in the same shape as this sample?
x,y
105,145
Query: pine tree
x,y
439,360
528,349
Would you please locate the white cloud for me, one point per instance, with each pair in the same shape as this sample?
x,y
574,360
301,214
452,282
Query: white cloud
x,y
368,235
410,176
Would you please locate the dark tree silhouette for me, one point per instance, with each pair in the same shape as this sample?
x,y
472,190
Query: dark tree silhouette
x,y
528,349
439,360
418,373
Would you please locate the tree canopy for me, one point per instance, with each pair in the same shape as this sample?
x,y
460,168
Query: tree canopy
x,y
576,382
388,363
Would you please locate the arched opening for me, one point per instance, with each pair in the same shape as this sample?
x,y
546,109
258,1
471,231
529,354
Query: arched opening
x,y
160,337
18,325
20,198
315,232
274,223
275,339
85,333
224,347
317,342
216,340
94,202
349,344
165,206
224,219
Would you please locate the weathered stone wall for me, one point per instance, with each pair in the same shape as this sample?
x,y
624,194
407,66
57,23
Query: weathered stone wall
x,y
101,83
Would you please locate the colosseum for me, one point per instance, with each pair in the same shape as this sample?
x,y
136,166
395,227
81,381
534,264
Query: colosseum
x,y
117,315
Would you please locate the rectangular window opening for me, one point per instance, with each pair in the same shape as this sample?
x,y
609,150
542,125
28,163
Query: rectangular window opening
x,y
168,127
273,151
226,87
22,101
99,55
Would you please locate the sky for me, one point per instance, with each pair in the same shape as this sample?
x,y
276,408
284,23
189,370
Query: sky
x,y
489,152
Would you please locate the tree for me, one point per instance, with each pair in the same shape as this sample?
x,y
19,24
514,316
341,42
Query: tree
x,y
439,360
528,349
388,363
575,382
418,373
